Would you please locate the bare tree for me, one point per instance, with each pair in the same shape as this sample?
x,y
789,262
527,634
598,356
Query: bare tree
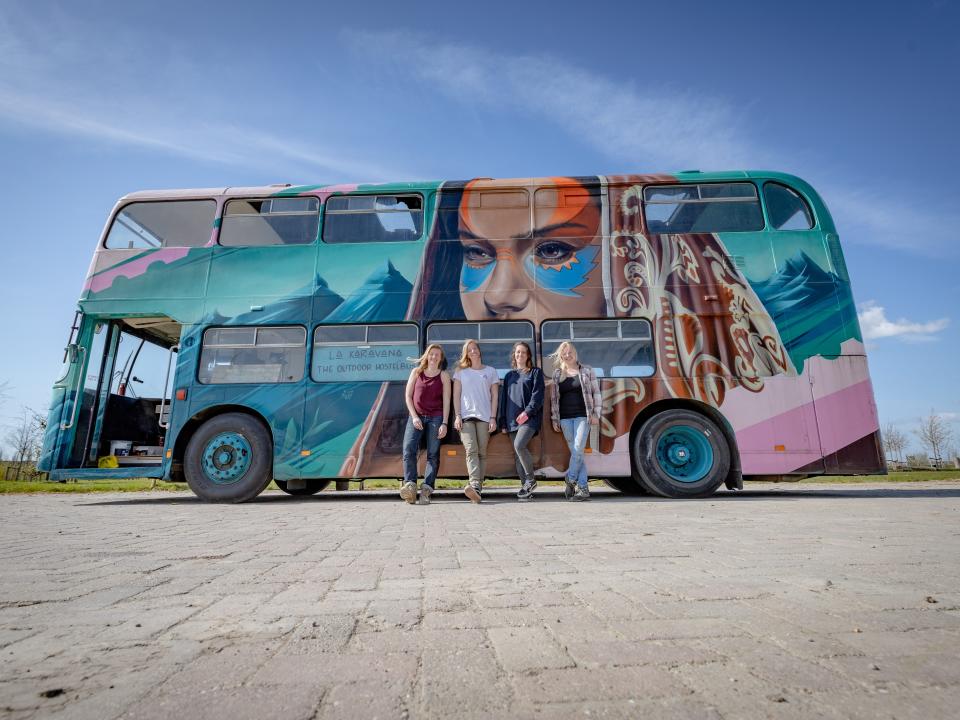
x,y
934,435
26,438
894,442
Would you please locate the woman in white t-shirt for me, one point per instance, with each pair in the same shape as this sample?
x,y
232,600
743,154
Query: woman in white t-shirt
x,y
475,398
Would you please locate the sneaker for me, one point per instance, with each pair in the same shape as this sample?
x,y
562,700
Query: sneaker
x,y
526,492
471,492
409,492
425,492
569,488
581,494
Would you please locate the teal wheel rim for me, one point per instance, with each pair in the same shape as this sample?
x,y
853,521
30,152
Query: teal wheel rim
x,y
226,457
685,454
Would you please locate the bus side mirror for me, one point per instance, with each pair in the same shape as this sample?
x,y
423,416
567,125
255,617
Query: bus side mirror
x,y
70,353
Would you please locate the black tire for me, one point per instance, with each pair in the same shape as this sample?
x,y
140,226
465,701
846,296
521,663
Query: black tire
x,y
626,485
235,470
680,454
313,487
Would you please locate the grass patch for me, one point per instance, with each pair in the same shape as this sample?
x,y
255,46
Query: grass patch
x,y
903,476
87,486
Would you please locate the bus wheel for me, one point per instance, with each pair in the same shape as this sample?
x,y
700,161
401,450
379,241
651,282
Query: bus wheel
x,y
681,454
626,485
313,487
229,459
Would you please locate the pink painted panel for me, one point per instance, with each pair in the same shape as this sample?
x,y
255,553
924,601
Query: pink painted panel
x,y
136,267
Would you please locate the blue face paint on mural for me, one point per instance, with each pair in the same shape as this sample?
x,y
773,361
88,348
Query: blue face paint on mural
x,y
553,266
557,268
478,264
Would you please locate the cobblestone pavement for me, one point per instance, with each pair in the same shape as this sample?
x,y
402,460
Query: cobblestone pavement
x,y
781,601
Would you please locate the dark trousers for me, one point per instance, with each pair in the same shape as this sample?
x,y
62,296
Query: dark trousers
x,y
411,448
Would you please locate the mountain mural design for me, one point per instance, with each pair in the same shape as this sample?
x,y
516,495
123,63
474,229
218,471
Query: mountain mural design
x,y
383,297
813,308
335,411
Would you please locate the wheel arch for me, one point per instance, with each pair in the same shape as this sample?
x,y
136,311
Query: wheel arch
x,y
190,427
734,479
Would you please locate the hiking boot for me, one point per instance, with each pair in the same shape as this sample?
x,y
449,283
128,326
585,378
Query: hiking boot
x,y
569,488
526,492
471,492
425,492
581,494
409,492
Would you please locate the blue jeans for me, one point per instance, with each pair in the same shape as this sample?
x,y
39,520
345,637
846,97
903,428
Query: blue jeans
x,y
411,448
576,431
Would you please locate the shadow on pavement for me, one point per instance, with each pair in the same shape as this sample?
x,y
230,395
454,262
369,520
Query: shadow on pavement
x,y
551,495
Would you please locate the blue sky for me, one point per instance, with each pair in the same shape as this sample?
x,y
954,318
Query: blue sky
x,y
103,98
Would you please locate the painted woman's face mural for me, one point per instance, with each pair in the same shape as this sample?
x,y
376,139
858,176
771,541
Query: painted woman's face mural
x,y
505,257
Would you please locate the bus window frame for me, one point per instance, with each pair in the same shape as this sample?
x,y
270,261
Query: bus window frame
x,y
424,230
313,346
306,348
451,362
222,212
620,338
214,224
758,197
803,196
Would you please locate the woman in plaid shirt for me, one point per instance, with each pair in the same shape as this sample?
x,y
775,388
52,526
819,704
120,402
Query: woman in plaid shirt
x,y
575,405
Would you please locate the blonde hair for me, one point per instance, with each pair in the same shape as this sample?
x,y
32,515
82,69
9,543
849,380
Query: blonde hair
x,y
513,357
464,361
422,360
555,356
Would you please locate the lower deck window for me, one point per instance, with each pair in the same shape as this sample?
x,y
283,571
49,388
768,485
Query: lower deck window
x,y
364,353
253,355
614,348
496,340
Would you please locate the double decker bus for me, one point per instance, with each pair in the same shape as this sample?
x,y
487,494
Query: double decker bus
x,y
226,337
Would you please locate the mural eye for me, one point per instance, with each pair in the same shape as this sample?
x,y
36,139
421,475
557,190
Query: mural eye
x,y
553,252
477,256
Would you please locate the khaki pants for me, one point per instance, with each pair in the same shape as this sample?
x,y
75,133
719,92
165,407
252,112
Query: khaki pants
x,y
475,434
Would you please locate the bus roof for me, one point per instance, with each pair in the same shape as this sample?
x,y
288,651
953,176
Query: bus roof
x,y
287,188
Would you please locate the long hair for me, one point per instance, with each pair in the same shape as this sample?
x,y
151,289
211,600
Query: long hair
x,y
513,359
555,356
443,260
464,361
422,360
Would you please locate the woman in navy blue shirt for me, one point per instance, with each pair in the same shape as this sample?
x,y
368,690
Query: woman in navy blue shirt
x,y
521,412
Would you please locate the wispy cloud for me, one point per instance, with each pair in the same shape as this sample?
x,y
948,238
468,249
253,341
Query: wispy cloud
x,y
876,325
654,129
894,221
59,88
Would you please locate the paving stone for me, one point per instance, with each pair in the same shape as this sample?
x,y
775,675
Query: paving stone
x,y
620,653
527,649
804,602
582,684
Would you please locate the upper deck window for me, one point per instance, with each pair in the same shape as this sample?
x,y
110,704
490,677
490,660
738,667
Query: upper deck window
x,y
786,209
271,221
495,214
164,223
373,218
727,207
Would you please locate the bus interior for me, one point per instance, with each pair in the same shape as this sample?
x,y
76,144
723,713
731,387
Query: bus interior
x,y
125,401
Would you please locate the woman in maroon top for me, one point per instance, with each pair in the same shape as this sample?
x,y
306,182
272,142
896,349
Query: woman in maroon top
x,y
428,402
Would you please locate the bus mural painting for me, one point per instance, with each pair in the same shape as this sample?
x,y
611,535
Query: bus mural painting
x,y
275,328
